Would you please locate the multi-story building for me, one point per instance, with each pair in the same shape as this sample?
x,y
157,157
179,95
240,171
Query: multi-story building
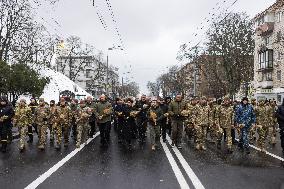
x,y
89,73
269,53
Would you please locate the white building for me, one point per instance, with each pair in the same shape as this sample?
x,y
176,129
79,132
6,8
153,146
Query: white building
x,y
89,73
269,53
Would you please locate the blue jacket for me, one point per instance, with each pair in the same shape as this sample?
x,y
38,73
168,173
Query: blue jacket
x,y
245,115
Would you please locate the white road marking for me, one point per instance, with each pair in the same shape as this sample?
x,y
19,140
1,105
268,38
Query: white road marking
x,y
194,179
48,173
181,180
268,153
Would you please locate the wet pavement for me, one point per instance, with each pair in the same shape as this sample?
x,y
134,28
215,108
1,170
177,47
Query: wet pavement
x,y
120,168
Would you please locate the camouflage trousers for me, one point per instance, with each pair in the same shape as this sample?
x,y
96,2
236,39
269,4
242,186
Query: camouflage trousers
x,y
189,130
57,129
42,134
252,133
214,132
226,129
23,133
82,133
154,134
51,132
201,131
264,133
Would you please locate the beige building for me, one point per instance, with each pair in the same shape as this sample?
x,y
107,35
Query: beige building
x,y
269,53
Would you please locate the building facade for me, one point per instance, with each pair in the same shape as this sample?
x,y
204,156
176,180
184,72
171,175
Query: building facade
x,y
269,53
89,73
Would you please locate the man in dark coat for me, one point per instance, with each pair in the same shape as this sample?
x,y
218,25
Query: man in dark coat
x,y
142,108
280,119
6,114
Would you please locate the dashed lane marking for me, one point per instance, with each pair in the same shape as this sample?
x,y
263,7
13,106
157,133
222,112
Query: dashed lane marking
x,y
48,173
181,180
192,176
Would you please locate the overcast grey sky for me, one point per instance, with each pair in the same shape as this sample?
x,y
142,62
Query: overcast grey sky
x,y
152,30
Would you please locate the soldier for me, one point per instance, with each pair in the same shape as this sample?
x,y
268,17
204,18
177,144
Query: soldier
x,y
192,111
142,107
64,118
212,122
52,120
280,120
90,103
245,119
155,115
165,119
201,124
168,120
129,114
177,109
82,120
74,107
119,117
261,112
253,130
225,122
6,114
33,105
22,119
271,122
103,111
42,115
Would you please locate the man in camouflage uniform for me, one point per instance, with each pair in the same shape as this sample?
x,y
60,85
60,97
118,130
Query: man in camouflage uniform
x,y
63,123
83,114
201,124
225,122
74,108
52,109
22,119
177,109
262,121
42,115
212,122
192,111
271,122
33,105
253,131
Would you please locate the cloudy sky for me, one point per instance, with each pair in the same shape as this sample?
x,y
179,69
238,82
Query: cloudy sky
x,y
151,30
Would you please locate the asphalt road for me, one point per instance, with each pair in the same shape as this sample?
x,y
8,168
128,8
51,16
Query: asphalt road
x,y
120,168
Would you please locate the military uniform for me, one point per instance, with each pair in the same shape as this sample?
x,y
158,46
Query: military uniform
x,y
103,111
22,119
225,121
155,115
42,115
52,122
142,108
212,129
63,123
82,120
252,132
201,125
33,107
262,121
192,111
176,109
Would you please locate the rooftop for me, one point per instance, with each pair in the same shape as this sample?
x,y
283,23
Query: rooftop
x,y
278,4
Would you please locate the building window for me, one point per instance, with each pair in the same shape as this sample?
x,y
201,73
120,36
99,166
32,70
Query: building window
x,y
279,36
267,41
88,64
279,16
279,55
269,76
265,59
88,73
279,75
261,21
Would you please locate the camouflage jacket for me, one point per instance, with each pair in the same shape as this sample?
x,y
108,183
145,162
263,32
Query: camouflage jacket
x,y
192,111
42,115
202,117
23,116
53,114
225,116
83,115
64,115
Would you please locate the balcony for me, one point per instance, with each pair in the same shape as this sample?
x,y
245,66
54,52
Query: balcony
x,y
266,84
265,29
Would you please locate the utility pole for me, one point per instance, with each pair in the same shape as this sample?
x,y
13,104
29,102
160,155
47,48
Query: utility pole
x,y
107,72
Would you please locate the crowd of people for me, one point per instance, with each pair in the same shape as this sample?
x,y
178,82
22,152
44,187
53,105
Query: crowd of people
x,y
201,120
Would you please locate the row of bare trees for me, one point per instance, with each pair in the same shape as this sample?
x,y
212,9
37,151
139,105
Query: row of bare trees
x,y
222,63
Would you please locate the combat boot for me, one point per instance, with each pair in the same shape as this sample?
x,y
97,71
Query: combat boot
x,y
197,146
31,139
153,147
22,149
4,147
219,144
229,150
41,147
273,141
203,147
